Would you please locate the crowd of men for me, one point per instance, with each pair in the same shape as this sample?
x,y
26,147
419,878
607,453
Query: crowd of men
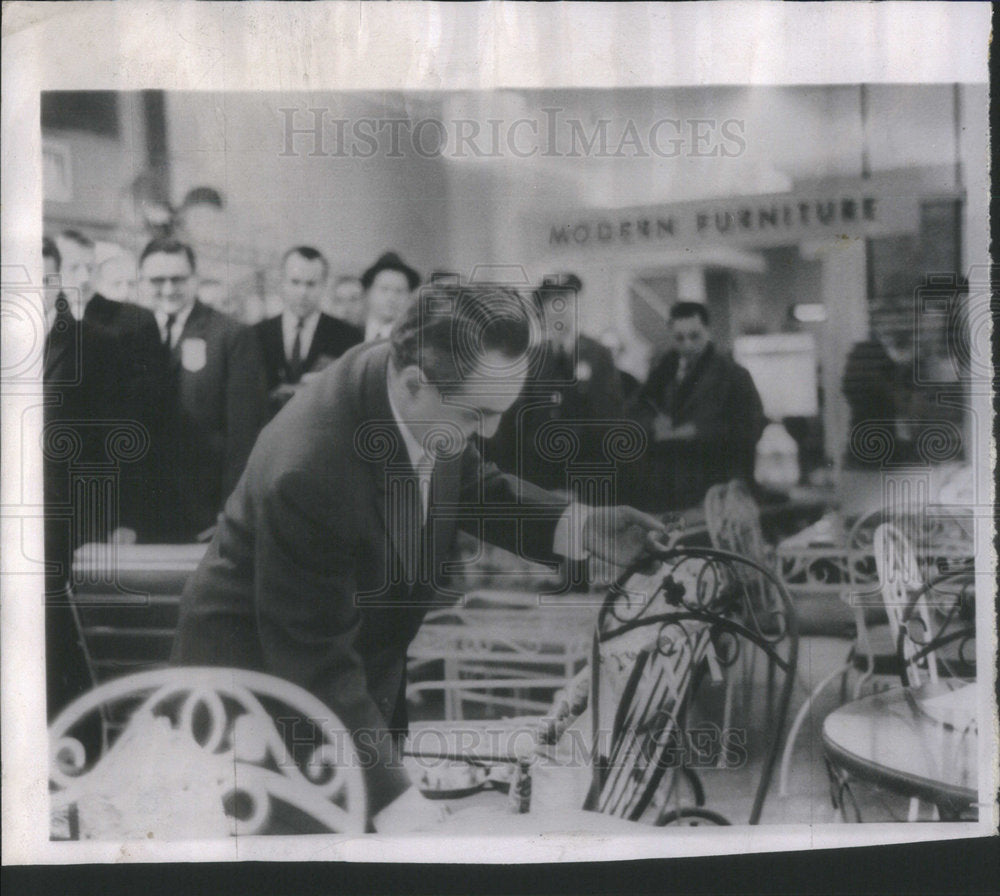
x,y
477,394
197,386
200,385
192,385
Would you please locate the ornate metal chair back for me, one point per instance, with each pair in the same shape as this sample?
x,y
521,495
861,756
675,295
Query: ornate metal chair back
x,y
204,753
684,613
901,585
933,623
733,520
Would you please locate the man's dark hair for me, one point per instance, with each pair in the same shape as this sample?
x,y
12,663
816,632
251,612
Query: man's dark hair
x,y
51,250
167,246
446,331
390,261
203,196
309,254
74,236
685,310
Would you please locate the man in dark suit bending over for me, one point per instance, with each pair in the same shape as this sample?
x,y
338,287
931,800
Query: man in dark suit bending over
x,y
327,554
302,339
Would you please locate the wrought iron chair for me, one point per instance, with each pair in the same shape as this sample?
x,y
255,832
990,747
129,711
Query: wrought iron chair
x,y
924,641
479,645
670,620
942,645
872,652
203,753
695,608
933,624
733,520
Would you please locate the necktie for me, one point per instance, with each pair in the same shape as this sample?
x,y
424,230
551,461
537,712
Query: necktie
x,y
671,392
425,534
168,339
425,469
295,362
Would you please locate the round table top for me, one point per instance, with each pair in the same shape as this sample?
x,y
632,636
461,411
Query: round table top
x,y
918,741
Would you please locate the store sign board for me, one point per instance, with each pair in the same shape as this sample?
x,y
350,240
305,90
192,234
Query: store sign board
x,y
745,222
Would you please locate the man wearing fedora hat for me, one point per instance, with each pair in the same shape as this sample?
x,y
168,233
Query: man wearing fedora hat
x,y
388,285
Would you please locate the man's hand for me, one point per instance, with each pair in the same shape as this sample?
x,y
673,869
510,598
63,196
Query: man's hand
x,y
620,534
665,431
663,426
123,535
566,706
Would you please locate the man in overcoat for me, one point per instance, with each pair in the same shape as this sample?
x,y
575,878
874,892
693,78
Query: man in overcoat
x,y
702,414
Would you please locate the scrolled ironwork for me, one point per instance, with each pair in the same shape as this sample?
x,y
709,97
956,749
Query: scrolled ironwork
x,y
221,728
702,583
699,605
938,629
727,646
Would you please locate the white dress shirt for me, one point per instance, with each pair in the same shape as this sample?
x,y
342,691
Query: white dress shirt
x,y
377,329
421,461
288,324
178,326
568,539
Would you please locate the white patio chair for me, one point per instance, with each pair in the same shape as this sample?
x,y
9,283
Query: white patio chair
x,y
202,753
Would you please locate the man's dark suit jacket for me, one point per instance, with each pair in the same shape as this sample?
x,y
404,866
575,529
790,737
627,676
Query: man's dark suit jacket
x,y
312,575
79,384
214,405
80,365
132,392
583,392
720,399
331,339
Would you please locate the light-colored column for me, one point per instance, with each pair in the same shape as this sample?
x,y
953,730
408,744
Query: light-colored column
x,y
844,292
691,284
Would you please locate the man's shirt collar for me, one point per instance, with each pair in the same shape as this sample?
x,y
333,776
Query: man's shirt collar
x,y
414,450
179,323
289,323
